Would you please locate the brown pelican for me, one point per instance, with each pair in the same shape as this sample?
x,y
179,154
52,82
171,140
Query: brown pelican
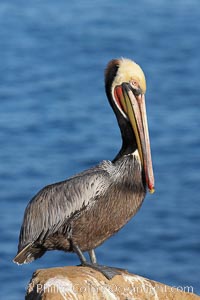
x,y
80,213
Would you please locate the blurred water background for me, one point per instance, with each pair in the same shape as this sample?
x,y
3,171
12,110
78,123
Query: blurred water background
x,y
55,121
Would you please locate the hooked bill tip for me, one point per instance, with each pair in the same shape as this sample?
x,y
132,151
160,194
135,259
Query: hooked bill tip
x,y
151,190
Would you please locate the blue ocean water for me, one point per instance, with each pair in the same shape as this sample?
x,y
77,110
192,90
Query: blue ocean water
x,y
55,121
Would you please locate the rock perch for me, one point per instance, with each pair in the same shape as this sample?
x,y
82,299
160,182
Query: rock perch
x,y
83,283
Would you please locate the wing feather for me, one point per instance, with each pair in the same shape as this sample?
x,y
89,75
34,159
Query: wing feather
x,y
55,203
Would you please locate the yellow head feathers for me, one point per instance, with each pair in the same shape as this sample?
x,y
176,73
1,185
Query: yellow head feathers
x,y
128,70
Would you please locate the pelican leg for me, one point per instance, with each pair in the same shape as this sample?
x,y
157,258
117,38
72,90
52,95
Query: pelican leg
x,y
108,272
80,254
92,255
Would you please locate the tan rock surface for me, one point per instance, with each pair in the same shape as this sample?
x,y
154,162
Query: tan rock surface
x,y
82,283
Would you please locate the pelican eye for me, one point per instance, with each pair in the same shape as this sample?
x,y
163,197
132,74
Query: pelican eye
x,y
134,83
135,88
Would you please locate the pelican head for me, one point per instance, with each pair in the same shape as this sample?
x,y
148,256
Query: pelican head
x,y
125,87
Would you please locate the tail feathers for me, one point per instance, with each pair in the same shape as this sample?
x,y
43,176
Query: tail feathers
x,y
28,254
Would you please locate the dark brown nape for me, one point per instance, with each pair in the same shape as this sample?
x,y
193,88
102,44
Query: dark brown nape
x,y
110,74
111,71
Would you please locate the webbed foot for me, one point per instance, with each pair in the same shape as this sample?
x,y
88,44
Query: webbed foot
x,y
108,272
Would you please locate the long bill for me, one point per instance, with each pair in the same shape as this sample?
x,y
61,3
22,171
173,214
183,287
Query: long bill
x,y
135,109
